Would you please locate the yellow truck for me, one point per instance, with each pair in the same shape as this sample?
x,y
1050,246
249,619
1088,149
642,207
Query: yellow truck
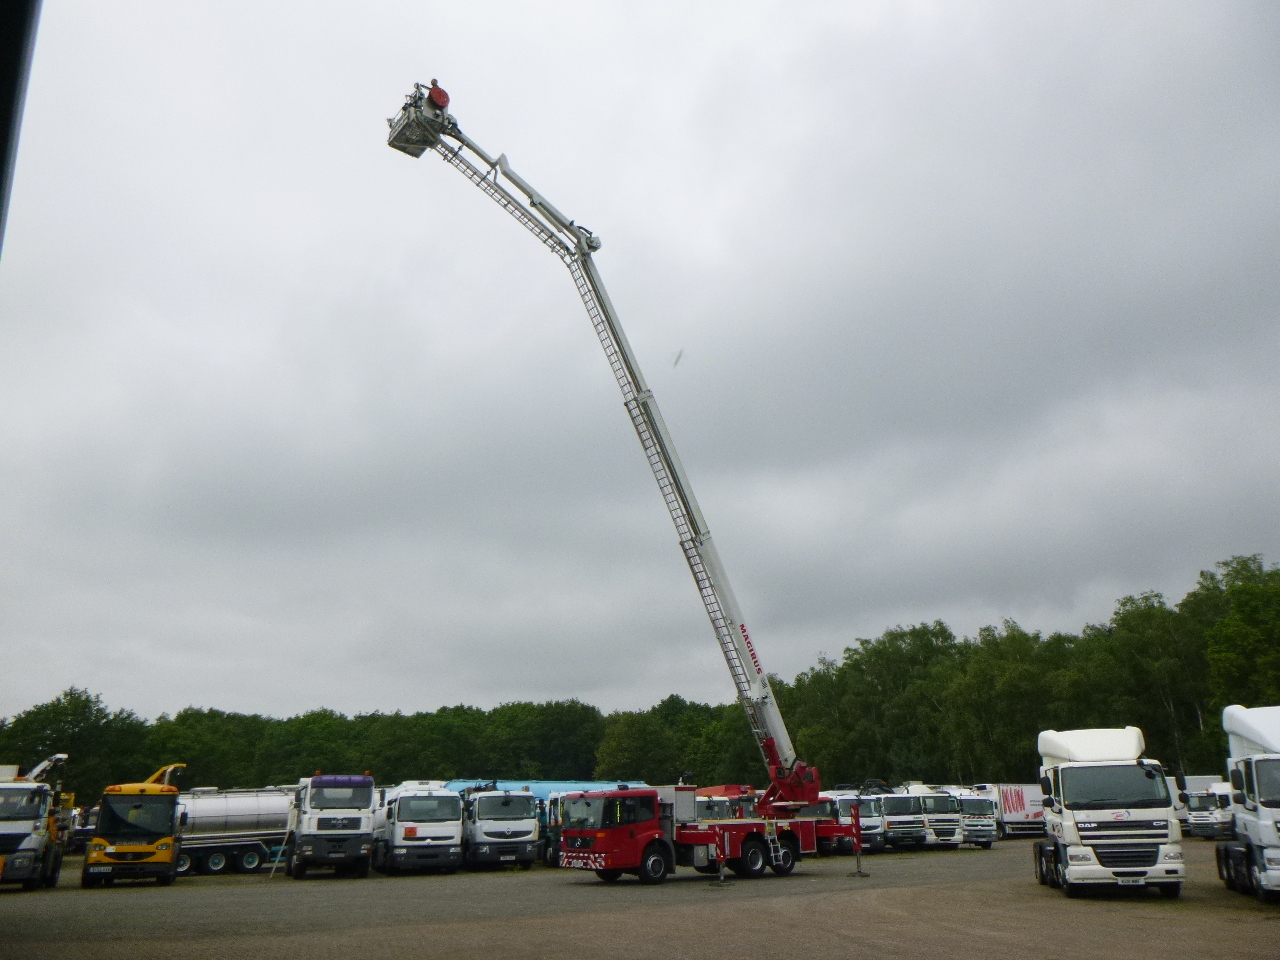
x,y
137,834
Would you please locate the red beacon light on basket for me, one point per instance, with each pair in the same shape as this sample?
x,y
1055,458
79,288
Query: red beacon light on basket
x,y
437,96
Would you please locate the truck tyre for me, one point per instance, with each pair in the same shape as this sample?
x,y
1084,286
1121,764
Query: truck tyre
x,y
524,865
1171,891
1037,856
1222,857
609,876
297,868
787,862
165,879
360,868
653,865
214,862
985,845
1072,890
753,862
185,864
248,861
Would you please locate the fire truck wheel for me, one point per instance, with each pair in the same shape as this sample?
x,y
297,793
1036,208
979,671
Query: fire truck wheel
x,y
609,876
788,861
709,868
754,860
653,865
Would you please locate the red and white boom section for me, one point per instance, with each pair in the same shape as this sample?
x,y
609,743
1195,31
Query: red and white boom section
x,y
424,123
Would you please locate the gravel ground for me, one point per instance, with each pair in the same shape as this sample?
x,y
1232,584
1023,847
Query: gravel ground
x,y
961,904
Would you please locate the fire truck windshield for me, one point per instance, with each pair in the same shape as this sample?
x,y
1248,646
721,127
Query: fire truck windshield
x,y
22,804
600,813
136,819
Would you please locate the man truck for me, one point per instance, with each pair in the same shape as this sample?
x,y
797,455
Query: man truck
x,y
1109,815
331,825
1251,862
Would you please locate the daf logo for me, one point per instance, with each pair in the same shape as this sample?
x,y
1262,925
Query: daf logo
x,y
1120,815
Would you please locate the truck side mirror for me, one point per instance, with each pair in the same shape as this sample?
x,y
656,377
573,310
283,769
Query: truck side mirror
x,y
1238,797
1183,798
1237,779
1046,786
182,819
1181,781
1047,803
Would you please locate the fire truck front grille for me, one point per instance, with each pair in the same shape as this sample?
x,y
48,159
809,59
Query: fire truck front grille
x,y
1111,857
338,823
579,843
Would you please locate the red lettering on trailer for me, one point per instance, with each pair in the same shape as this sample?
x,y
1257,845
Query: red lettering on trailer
x,y
1012,800
750,649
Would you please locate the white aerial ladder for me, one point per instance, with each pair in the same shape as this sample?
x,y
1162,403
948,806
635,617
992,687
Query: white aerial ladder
x,y
423,124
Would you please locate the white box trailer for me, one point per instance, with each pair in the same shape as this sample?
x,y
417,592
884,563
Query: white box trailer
x,y
1019,808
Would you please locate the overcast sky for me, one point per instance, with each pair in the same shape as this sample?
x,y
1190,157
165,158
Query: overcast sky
x,y
977,305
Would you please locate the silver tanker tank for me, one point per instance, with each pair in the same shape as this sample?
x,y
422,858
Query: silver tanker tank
x,y
232,829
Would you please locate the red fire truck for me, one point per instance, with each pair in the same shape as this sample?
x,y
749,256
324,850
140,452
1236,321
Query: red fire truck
x,y
649,832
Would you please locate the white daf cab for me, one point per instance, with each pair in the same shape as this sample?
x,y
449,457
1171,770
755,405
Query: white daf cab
x,y
1108,812
1251,862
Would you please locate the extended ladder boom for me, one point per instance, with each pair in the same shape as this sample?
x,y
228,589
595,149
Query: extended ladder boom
x,y
422,124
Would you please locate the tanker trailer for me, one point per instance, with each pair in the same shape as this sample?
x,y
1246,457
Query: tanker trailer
x,y
239,830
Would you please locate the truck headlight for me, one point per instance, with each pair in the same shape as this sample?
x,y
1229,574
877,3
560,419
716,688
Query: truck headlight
x,y
1083,857
1273,858
163,846
1174,857
455,849
97,847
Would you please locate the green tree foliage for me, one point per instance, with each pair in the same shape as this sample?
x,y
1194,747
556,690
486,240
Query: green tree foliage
x,y
916,703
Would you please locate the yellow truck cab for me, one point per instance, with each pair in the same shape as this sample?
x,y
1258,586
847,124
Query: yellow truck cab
x,y
137,834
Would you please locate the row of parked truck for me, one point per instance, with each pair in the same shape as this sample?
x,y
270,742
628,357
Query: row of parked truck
x,y
1104,814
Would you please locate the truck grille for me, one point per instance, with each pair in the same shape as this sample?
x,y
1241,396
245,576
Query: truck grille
x,y
942,834
579,843
1124,830
132,855
338,823
9,842
1111,857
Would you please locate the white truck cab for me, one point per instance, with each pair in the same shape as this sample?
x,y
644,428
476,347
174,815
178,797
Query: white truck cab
x,y
501,827
870,811
331,825
1108,812
1209,812
903,820
977,816
33,828
1251,862
941,811
418,826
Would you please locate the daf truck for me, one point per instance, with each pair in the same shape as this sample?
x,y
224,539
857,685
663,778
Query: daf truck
x,y
1109,814
941,811
1251,862
418,826
903,820
331,825
501,827
33,825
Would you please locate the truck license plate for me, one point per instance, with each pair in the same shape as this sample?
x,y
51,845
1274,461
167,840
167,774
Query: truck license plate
x,y
99,869
337,856
506,858
1131,881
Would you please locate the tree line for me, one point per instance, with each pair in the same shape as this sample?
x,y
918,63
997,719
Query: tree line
x,y
915,703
